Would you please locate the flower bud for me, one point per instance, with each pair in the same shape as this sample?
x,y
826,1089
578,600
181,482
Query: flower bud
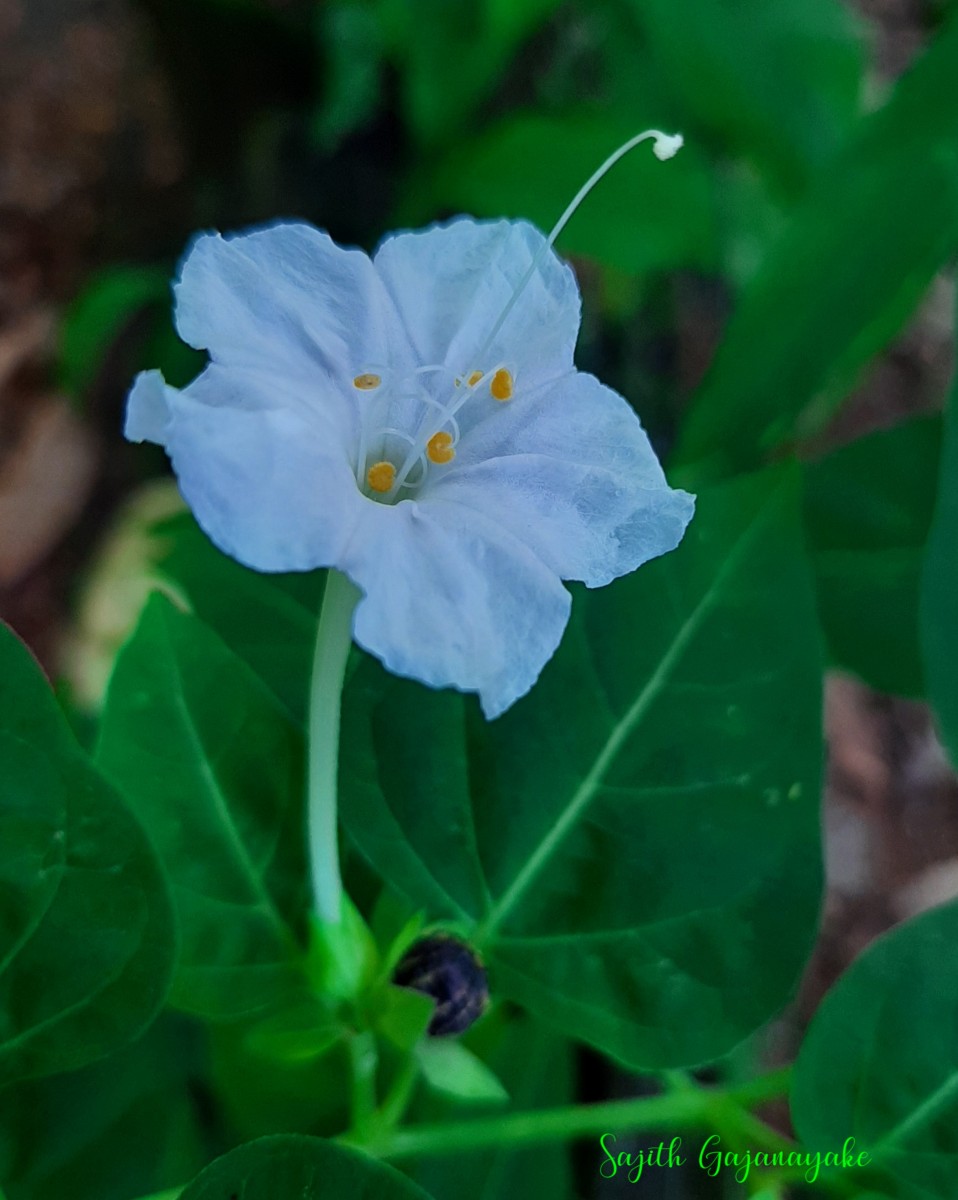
x,y
450,971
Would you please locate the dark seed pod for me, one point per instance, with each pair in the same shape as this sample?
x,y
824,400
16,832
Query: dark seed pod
x,y
448,970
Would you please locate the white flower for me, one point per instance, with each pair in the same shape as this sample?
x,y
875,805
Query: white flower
x,y
415,420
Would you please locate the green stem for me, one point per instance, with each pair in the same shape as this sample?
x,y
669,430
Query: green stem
x,y
399,1095
363,1057
333,640
693,1109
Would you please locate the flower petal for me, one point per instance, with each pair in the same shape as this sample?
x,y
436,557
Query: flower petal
x,y
147,409
453,601
286,296
269,481
451,283
569,470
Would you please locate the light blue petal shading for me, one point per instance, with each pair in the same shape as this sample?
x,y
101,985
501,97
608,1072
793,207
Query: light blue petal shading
x,y
268,479
451,282
147,409
286,297
568,470
454,601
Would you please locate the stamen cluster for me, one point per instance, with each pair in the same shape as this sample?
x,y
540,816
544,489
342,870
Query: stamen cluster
x,y
437,431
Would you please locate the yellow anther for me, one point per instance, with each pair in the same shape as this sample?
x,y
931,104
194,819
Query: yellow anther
x,y
472,381
439,448
381,476
367,382
501,386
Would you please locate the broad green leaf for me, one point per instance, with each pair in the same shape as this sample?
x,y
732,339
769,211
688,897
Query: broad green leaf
x,y
34,792
880,1060
270,621
648,216
634,846
868,510
939,590
780,81
289,1167
87,932
842,278
213,766
127,1124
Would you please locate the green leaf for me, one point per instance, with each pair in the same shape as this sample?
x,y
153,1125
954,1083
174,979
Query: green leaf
x,y
843,277
868,510
634,846
269,621
296,1034
288,1167
649,216
880,1060
123,300
452,56
781,80
110,1131
939,590
109,301
350,43
450,1068
403,1016
88,942
213,766
536,1066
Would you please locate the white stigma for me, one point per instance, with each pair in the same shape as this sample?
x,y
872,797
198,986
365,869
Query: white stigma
x,y
667,145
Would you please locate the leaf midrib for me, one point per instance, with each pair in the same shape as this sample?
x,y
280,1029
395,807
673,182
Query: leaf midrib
x,y
587,789
220,806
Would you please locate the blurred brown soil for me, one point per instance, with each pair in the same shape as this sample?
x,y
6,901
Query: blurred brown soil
x,y
89,158
86,157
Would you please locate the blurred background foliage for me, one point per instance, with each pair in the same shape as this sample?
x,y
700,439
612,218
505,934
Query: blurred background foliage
x,y
781,288
814,204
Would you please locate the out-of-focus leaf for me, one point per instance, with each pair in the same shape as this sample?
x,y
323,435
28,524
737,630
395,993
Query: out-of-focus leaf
x,y
88,939
110,299
116,301
861,248
451,56
939,590
350,45
647,216
868,510
299,1168
880,1060
108,1131
450,1068
536,1066
680,713
213,766
780,80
